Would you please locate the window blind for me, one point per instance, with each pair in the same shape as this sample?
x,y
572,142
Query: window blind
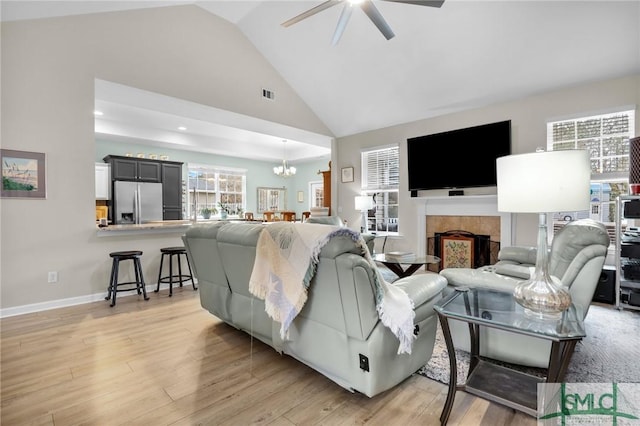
x,y
381,169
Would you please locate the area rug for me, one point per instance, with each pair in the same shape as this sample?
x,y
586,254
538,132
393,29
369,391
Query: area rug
x,y
609,353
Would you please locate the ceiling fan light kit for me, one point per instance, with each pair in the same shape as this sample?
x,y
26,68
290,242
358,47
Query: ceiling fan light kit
x,y
367,7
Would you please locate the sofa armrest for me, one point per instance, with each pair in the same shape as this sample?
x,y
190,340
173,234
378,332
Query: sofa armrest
x,y
483,277
422,288
325,220
518,254
369,240
517,271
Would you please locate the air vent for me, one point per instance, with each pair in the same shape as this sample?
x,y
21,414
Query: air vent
x,y
268,94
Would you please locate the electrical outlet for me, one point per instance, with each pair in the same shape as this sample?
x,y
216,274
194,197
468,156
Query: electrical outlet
x,y
52,277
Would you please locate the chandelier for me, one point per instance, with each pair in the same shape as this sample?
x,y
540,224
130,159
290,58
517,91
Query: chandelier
x,y
285,170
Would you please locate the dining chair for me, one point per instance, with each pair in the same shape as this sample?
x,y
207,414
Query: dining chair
x,y
269,216
288,216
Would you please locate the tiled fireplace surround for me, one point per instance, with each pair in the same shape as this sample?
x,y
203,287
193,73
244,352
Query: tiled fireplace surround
x,y
475,213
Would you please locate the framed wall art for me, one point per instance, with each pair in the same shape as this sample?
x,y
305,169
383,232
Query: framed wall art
x,y
457,251
347,174
23,174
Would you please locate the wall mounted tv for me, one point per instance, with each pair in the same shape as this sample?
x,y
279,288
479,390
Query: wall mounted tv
x,y
462,158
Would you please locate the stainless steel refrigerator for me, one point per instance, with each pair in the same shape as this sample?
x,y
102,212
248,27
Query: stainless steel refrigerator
x,y
137,202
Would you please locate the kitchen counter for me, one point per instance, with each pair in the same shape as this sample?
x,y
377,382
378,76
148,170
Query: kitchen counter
x,y
159,227
156,227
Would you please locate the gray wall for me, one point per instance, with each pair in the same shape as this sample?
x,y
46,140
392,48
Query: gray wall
x,y
48,71
528,120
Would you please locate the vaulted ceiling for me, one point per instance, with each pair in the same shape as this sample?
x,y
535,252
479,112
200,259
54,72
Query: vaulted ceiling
x,y
463,55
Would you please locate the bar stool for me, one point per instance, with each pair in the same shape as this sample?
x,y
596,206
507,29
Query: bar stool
x,y
171,278
113,289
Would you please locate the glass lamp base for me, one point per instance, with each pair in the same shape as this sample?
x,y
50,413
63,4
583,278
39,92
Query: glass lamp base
x,y
542,316
545,300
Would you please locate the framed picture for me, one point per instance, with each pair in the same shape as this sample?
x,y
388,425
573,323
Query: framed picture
x,y
23,174
300,196
347,174
456,251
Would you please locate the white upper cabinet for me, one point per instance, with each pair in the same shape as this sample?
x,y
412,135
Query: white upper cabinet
x,y
103,181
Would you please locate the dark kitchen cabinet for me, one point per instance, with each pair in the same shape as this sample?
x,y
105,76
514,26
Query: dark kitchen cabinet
x,y
169,173
133,169
172,191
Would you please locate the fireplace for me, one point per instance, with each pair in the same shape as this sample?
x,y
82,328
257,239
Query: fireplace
x,y
476,214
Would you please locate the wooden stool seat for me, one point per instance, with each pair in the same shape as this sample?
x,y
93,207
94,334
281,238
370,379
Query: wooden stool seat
x,y
178,278
114,285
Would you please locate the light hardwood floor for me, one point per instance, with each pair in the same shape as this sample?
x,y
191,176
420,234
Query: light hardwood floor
x,y
167,361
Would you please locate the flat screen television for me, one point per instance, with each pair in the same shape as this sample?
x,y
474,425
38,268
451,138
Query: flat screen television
x,y
462,158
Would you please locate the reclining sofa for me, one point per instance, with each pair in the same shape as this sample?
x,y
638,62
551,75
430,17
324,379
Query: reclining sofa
x,y
577,255
338,332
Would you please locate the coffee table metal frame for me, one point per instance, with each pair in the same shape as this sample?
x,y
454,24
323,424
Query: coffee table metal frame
x,y
395,264
490,308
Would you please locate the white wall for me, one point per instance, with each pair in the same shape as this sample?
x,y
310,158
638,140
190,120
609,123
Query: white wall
x,y
528,120
48,72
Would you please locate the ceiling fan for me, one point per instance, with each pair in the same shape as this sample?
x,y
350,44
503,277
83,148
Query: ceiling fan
x,y
368,8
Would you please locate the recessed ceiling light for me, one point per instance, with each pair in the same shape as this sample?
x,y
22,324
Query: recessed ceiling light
x,y
182,128
98,113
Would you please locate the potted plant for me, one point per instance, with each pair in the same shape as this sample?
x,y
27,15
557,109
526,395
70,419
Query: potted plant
x,y
206,212
224,210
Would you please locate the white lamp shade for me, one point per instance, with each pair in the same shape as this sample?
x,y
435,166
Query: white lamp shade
x,y
364,202
544,182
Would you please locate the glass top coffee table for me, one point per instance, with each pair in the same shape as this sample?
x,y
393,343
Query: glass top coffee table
x,y
489,308
394,263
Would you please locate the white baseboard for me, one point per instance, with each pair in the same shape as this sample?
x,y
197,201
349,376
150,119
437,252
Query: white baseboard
x,y
63,303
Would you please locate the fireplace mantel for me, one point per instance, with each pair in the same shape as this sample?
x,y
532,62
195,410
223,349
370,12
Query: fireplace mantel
x,y
466,205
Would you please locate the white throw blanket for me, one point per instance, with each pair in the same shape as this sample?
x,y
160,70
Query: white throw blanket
x,y
287,255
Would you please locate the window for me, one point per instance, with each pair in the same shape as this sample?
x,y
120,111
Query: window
x,y
213,188
381,179
606,136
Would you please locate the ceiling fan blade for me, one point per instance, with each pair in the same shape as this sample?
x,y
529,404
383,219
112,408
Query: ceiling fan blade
x,y
432,3
319,8
342,22
375,16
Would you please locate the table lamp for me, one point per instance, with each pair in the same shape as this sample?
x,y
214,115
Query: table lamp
x,y
543,182
364,203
